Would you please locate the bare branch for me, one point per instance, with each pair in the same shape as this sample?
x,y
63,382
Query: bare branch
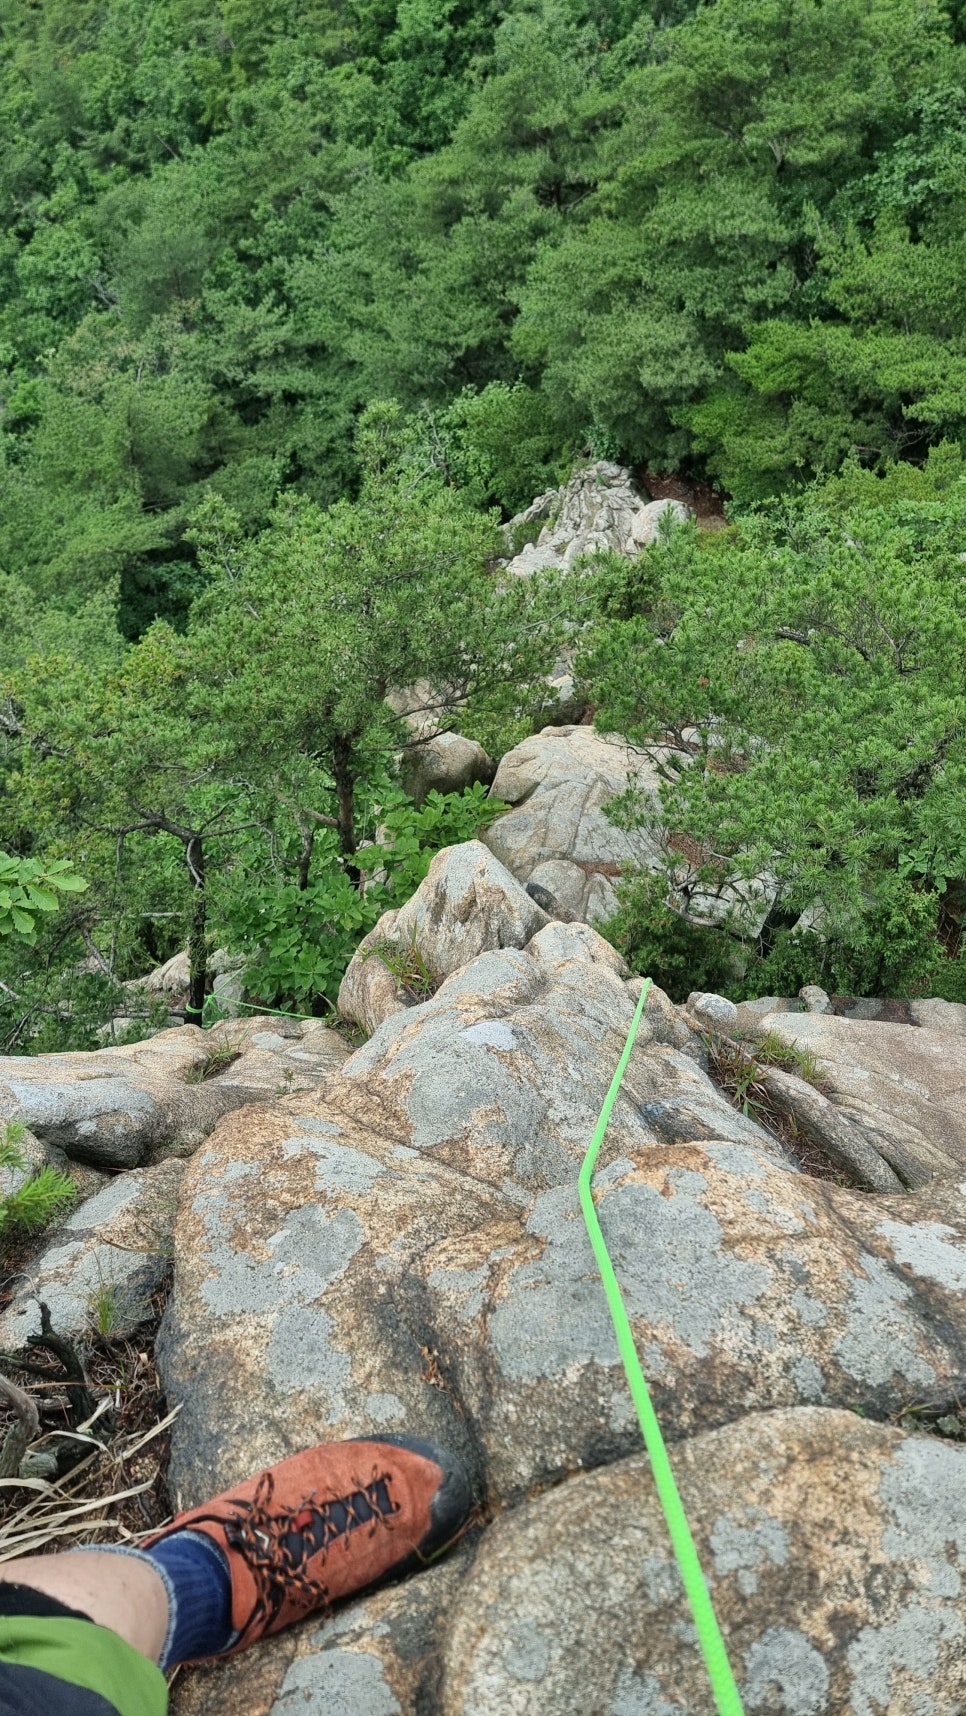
x,y
20,1435
95,951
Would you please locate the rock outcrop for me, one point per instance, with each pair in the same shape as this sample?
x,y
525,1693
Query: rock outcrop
x,y
403,1246
391,1239
556,833
467,905
599,508
905,1086
112,1107
100,1271
837,1578
448,762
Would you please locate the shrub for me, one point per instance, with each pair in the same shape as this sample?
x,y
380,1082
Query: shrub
x,y
300,940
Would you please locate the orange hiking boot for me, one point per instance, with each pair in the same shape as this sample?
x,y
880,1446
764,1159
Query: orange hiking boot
x,y
326,1523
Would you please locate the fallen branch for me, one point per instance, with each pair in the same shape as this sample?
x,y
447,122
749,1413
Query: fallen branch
x,y
20,1435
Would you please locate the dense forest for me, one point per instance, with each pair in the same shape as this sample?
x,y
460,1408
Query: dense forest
x,y
301,302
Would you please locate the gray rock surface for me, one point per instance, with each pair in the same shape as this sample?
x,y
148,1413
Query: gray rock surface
x,y
228,989
171,978
404,1246
713,1013
109,1107
940,1015
115,1107
867,1159
871,1142
381,1656
838,1576
905,1086
104,1263
279,1056
370,992
600,507
397,1245
558,835
751,1015
558,783
446,763
468,904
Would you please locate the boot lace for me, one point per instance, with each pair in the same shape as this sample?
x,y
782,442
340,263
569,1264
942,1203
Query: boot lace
x,y
278,1545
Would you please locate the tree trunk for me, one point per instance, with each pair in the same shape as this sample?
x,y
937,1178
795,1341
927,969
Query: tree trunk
x,y
344,777
305,858
197,939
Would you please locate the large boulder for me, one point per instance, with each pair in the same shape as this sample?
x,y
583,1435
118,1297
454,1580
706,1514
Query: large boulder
x,y
171,978
340,1256
448,762
600,507
466,905
878,1158
104,1263
940,1015
402,1249
557,835
405,1246
114,1108
900,1083
374,986
836,1555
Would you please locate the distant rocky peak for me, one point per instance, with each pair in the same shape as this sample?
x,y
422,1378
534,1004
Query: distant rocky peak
x,y
601,506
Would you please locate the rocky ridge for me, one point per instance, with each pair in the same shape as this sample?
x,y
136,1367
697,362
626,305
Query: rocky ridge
x,y
396,1242
391,1239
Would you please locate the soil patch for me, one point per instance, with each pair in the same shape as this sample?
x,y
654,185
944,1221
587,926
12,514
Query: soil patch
x,y
707,504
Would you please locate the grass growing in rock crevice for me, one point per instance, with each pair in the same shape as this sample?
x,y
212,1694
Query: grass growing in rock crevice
x,y
940,1414
40,1198
737,1069
216,1061
407,966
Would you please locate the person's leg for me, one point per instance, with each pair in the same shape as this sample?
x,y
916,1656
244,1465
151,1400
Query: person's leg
x,y
312,1530
56,1661
122,1592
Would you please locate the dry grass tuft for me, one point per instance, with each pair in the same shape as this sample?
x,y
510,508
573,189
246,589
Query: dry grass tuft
x,y
116,1488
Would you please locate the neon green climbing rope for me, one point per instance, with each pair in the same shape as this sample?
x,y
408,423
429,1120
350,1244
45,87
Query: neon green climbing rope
x,y
723,1686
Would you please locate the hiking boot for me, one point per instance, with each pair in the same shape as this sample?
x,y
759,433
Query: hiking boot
x,y
326,1523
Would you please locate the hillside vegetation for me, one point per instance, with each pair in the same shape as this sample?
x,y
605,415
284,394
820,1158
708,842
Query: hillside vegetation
x,y
300,302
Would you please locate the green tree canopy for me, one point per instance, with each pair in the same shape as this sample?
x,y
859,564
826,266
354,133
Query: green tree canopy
x,y
808,671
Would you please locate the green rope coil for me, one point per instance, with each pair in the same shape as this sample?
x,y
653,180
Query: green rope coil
x,y
726,1695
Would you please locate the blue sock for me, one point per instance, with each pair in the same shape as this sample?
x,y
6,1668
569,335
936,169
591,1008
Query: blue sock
x,y
198,1583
